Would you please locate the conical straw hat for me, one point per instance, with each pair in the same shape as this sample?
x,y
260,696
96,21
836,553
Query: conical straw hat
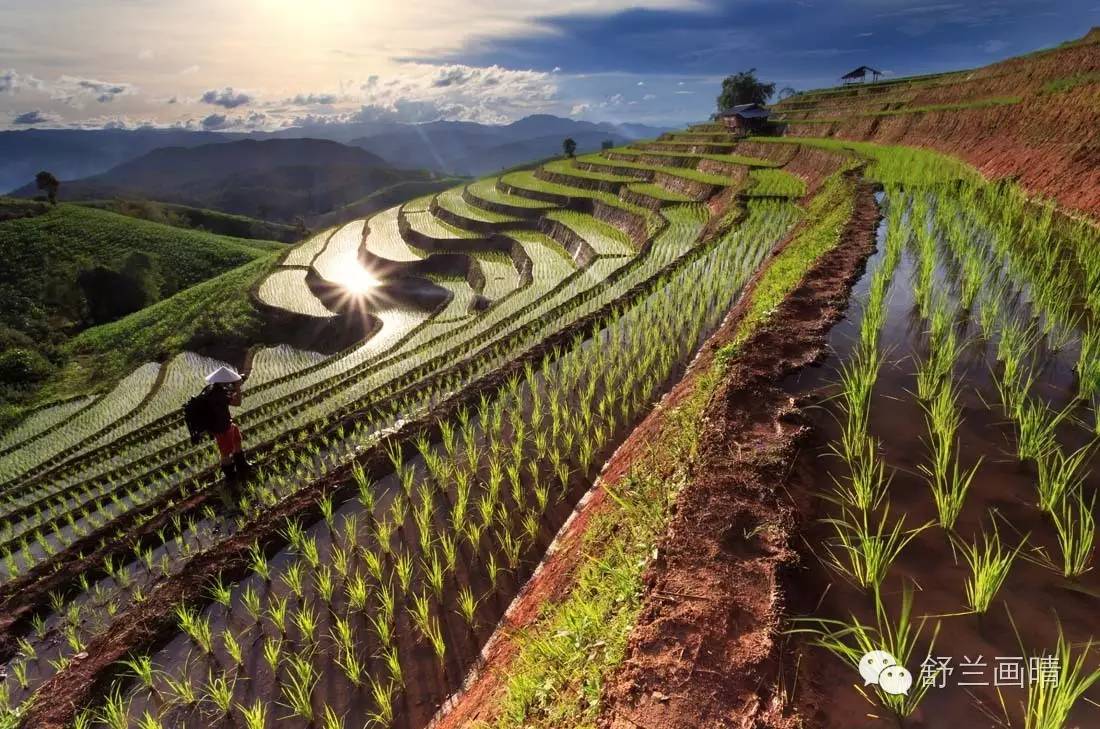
x,y
222,376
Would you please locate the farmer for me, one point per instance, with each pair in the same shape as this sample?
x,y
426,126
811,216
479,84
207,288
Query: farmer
x,y
223,388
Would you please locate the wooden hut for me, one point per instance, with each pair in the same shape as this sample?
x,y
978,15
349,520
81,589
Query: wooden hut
x,y
745,118
860,74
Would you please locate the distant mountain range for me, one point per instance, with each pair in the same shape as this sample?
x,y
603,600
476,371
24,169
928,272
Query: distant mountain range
x,y
273,179
466,148
447,147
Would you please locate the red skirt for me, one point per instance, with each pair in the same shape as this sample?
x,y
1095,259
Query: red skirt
x,y
229,440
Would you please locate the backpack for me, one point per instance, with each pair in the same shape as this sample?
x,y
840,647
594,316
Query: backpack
x,y
198,415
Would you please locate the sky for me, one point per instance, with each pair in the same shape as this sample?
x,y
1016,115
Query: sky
x,y
269,64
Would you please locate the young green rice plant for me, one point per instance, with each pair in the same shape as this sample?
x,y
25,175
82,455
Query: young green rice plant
x,y
1060,474
467,605
392,662
1036,423
331,720
221,593
382,696
434,574
989,563
851,640
181,690
272,652
298,687
1088,364
1050,700
1076,527
219,692
259,563
862,552
141,668
294,579
233,648
197,627
148,721
255,716
403,568
867,482
277,612
115,711
324,584
307,622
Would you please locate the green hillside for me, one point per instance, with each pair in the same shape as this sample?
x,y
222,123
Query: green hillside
x,y
211,221
214,311
71,267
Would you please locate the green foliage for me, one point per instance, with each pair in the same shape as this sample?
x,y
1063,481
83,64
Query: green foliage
x,y
1068,83
826,218
215,312
263,233
744,88
124,264
773,182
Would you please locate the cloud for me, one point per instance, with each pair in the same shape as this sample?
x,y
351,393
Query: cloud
x,y
73,90
579,109
641,83
994,46
35,117
12,81
226,98
649,97
421,92
189,70
215,122
222,122
146,54
313,99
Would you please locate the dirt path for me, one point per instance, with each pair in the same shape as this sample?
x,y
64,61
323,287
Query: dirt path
x,y
704,652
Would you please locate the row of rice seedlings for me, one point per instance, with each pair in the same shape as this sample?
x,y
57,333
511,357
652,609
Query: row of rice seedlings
x,y
865,545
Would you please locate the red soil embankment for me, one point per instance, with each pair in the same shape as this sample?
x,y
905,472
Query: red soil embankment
x,y
1047,137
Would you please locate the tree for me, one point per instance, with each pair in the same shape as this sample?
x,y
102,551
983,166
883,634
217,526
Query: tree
x,y
569,146
46,181
607,144
113,294
786,92
744,88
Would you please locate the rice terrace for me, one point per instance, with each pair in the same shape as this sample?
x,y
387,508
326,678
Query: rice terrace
x,y
784,418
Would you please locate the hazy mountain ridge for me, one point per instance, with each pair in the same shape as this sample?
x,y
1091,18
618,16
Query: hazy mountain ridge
x,y
274,179
79,153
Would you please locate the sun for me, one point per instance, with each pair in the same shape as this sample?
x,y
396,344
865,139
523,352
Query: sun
x,y
357,280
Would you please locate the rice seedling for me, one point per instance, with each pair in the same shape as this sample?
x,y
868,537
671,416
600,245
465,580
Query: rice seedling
x,y
297,688
1076,527
862,551
254,716
850,640
382,696
219,692
989,563
1060,474
114,713
1058,681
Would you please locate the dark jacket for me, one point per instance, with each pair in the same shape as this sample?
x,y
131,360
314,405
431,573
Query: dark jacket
x,y
220,397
